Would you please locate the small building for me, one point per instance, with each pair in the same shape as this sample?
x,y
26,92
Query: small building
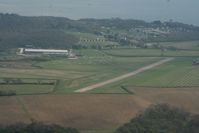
x,y
23,51
92,40
196,62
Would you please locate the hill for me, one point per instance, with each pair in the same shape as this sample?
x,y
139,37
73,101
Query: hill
x,y
58,32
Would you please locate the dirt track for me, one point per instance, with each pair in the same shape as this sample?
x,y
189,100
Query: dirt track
x,y
124,76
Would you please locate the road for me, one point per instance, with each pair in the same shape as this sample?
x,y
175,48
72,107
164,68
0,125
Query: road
x,y
142,69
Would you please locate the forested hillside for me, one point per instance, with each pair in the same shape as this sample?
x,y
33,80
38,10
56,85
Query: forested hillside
x,y
57,32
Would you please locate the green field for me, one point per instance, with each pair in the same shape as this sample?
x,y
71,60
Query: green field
x,y
27,89
27,86
137,52
190,45
175,74
90,40
93,66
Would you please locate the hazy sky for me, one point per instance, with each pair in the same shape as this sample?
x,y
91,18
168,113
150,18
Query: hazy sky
x,y
179,10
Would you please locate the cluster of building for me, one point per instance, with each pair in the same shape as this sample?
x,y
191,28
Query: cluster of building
x,y
94,40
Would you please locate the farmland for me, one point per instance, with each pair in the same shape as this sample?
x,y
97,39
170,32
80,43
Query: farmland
x,y
94,112
45,88
93,66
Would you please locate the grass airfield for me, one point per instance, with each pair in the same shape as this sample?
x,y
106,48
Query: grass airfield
x,y
103,109
92,67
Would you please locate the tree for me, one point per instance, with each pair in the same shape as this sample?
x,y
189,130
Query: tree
x,y
193,125
6,80
158,119
36,127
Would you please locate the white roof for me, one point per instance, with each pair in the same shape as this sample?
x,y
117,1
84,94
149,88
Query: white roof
x,y
46,50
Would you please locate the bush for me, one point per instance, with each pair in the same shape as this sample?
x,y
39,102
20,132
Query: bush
x,y
162,119
193,125
36,128
7,93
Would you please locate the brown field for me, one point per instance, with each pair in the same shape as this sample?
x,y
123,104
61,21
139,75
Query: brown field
x,y
93,111
11,111
184,98
84,111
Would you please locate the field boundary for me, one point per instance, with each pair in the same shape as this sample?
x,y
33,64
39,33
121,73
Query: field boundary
x,y
30,81
142,69
23,106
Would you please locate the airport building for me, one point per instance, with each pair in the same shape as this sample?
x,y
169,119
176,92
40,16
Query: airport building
x,y
23,51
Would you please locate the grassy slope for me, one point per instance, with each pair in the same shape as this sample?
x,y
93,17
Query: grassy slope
x,y
89,36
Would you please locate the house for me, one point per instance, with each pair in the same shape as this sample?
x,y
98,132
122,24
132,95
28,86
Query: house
x,y
196,62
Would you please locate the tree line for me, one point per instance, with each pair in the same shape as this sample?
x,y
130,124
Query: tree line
x,y
162,119
36,127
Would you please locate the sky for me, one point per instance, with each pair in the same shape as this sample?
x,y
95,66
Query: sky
x,y
185,11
